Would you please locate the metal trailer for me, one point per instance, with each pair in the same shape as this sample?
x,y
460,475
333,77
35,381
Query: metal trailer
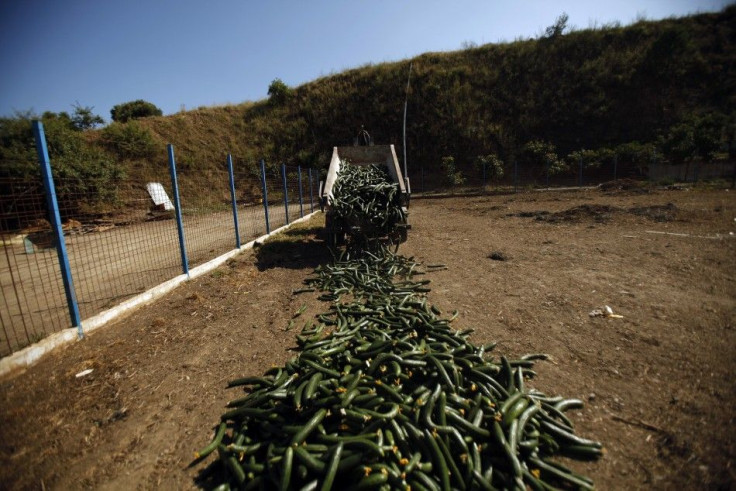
x,y
385,155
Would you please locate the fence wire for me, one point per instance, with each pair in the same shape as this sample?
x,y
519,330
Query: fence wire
x,y
522,175
119,251
207,218
33,303
121,241
122,238
249,198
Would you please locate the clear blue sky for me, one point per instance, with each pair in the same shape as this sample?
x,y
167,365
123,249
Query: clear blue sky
x,y
189,53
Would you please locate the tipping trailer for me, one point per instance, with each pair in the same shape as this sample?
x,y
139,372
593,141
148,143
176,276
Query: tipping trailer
x,y
384,155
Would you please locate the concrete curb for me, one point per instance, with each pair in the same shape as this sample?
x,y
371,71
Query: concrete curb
x,y
31,354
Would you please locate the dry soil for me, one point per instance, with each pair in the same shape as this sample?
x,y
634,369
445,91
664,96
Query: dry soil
x,y
524,270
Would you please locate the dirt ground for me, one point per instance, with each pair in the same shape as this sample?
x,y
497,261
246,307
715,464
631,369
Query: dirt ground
x,y
524,270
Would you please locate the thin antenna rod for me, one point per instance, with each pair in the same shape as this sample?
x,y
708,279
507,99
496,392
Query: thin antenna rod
x,y
406,101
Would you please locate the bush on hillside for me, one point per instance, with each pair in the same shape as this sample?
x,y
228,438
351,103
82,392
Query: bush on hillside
x,y
134,110
129,140
279,92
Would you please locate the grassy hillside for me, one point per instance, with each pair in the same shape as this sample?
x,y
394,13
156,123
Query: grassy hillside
x,y
663,83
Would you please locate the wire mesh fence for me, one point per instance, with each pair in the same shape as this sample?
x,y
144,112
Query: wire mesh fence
x,y
207,221
125,237
117,253
522,175
33,304
125,240
249,199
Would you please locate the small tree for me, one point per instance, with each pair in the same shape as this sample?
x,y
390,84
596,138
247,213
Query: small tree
x,y
134,110
678,144
543,154
279,92
591,158
84,119
558,28
492,164
637,154
452,176
694,138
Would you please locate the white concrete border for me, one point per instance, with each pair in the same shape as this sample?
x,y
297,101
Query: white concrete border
x,y
31,354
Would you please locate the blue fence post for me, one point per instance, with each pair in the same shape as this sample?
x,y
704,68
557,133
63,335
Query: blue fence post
x,y
311,194
286,193
234,201
177,208
301,204
48,184
265,195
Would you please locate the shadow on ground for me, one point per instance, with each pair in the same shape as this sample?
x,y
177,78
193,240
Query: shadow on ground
x,y
296,248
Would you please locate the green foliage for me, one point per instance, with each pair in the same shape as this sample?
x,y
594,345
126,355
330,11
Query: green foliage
x,y
279,92
695,137
558,28
85,176
491,165
84,118
452,176
679,143
592,159
543,155
17,147
134,110
635,154
710,135
128,140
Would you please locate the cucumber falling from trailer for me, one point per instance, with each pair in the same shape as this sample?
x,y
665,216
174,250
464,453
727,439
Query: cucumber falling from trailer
x,y
365,196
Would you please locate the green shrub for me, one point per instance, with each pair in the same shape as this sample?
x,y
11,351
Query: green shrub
x,y
591,158
543,154
279,92
85,176
452,176
134,110
84,119
129,140
492,164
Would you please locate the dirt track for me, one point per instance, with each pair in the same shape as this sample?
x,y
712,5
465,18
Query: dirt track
x,y
659,383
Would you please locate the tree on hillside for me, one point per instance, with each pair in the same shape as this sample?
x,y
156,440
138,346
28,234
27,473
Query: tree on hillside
x,y
83,117
134,110
279,92
558,28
